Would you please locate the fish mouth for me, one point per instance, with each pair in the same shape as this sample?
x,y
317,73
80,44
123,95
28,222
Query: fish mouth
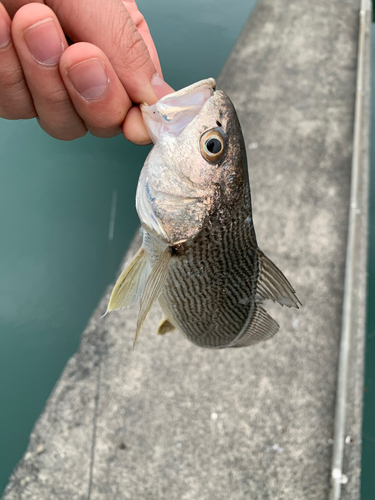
x,y
173,112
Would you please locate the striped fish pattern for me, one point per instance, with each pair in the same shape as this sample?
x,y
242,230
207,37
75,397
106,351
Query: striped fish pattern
x,y
211,284
199,255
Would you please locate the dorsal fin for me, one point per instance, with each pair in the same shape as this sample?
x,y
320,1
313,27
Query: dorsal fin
x,y
131,282
272,284
153,288
261,327
165,327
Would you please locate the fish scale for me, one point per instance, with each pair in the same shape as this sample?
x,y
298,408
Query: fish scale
x,y
199,255
225,287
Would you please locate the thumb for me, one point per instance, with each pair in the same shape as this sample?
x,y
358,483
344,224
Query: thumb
x,y
109,26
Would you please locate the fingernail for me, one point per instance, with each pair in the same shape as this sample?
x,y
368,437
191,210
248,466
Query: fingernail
x,y
160,87
4,33
44,42
89,78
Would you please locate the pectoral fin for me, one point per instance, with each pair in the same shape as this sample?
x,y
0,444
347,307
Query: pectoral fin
x,y
272,284
261,327
165,327
131,283
153,288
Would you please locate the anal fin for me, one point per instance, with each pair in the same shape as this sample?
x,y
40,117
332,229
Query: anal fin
x,y
165,327
131,282
261,327
272,284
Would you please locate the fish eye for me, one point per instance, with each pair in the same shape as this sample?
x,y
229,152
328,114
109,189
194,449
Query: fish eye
x,y
212,145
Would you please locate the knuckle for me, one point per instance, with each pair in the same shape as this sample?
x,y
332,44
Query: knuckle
x,y
15,100
57,98
57,115
131,46
138,56
12,82
138,18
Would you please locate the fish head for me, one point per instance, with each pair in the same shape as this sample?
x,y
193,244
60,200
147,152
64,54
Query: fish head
x,y
197,166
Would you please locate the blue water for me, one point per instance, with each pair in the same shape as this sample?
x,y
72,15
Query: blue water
x,y
56,256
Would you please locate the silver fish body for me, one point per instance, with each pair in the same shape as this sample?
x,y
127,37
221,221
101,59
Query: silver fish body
x,y
200,256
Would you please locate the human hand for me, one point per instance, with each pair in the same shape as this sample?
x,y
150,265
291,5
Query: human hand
x,y
90,85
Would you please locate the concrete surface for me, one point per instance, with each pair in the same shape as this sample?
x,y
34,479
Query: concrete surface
x,y
173,421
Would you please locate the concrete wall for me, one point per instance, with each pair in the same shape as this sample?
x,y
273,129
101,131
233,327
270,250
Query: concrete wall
x,y
172,421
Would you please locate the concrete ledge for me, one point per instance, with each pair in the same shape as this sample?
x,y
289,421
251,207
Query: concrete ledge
x,y
172,421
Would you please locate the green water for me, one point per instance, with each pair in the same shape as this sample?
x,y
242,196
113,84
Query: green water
x,y
368,436
56,253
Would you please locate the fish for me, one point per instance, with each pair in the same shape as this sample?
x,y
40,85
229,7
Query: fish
x,y
199,255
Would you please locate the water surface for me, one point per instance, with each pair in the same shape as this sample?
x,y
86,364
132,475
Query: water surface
x,y
58,251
